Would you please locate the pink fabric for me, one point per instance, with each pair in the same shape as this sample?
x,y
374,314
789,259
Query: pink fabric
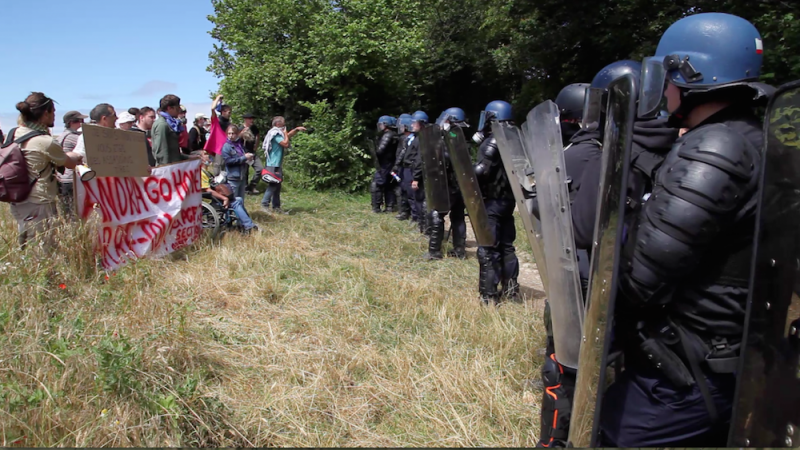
x,y
216,138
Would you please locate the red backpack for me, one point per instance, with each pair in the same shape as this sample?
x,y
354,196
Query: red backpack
x,y
15,181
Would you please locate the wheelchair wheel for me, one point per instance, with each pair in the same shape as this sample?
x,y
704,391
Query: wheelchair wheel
x,y
211,220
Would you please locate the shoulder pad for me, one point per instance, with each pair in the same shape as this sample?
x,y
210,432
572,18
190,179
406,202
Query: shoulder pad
x,y
720,146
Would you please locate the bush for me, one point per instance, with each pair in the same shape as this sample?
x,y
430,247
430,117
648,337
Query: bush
x,y
327,157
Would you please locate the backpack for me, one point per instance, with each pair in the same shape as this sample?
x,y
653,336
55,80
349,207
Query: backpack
x,y
15,181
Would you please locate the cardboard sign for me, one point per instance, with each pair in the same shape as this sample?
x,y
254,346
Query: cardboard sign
x,y
115,153
150,216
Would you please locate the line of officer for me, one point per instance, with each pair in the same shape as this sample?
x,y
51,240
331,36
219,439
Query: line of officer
x,y
686,261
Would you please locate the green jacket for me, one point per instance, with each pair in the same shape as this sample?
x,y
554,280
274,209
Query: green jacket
x,y
166,149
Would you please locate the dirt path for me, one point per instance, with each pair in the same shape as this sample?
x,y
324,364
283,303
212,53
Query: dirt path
x,y
531,286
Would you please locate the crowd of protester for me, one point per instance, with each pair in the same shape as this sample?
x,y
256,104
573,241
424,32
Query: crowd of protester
x,y
52,160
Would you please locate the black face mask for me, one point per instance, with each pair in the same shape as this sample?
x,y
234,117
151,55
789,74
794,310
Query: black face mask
x,y
568,130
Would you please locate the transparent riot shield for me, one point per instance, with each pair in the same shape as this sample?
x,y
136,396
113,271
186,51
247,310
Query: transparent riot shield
x,y
468,184
597,322
767,405
434,172
521,177
542,138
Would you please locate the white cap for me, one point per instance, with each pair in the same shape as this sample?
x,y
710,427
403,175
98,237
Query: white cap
x,y
126,117
199,116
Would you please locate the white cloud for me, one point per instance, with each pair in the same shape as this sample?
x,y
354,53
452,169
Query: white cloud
x,y
155,87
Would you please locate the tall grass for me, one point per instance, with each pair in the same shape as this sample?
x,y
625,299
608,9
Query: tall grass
x,y
327,329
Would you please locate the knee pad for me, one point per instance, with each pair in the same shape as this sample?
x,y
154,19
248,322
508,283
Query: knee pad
x,y
373,187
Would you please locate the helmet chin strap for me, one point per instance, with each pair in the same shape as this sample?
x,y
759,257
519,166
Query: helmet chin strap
x,y
676,118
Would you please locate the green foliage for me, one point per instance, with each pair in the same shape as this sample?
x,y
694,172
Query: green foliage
x,y
327,158
376,57
117,363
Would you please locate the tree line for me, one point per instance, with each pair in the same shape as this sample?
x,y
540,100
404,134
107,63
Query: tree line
x,y
337,65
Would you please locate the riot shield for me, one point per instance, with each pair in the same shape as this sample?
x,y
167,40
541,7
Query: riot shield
x,y
468,184
597,322
520,175
433,169
542,138
767,405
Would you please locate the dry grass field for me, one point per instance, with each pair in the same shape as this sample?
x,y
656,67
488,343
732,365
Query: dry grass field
x,y
326,329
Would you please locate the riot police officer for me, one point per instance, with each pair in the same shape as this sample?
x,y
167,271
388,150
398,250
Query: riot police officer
x,y
383,184
498,263
419,209
570,102
652,139
685,266
451,117
403,131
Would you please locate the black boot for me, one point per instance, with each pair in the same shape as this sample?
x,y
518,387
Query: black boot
x,y
511,290
486,284
459,246
405,208
436,237
377,197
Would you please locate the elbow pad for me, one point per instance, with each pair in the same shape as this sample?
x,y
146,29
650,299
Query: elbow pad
x,y
491,151
699,190
482,169
386,139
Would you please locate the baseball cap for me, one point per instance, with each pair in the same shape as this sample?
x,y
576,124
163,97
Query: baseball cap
x,y
248,116
126,117
73,115
199,116
183,108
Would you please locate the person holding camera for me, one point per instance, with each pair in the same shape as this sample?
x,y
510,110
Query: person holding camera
x,y
276,141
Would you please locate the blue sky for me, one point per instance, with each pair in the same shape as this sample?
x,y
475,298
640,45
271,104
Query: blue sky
x,y
87,52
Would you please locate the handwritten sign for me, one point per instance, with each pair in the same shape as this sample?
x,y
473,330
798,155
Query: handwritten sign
x,y
144,216
115,153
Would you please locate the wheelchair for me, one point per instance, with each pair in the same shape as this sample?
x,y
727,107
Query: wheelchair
x,y
217,218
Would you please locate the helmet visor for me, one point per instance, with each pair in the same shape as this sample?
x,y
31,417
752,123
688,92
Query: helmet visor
x,y
484,118
651,92
592,109
442,117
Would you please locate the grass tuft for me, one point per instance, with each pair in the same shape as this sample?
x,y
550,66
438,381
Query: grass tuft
x,y
327,329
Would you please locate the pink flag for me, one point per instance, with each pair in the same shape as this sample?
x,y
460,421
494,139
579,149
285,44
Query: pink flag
x,y
217,137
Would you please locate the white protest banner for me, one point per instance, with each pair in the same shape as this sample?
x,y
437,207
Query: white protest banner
x,y
115,153
151,216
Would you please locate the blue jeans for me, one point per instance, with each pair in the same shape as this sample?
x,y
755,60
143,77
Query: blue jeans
x,y
273,192
238,187
238,207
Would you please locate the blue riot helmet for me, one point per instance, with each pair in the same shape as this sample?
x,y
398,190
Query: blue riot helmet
x,y
452,116
386,122
404,123
418,119
497,110
699,54
596,92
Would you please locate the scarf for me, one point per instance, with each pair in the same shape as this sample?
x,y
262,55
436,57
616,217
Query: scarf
x,y
37,127
174,124
237,145
267,145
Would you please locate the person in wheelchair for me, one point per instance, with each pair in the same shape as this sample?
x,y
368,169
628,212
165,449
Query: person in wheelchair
x,y
223,201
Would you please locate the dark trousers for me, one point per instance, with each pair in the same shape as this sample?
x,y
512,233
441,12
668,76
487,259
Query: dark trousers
x,y
411,194
501,258
386,184
258,166
644,409
458,224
